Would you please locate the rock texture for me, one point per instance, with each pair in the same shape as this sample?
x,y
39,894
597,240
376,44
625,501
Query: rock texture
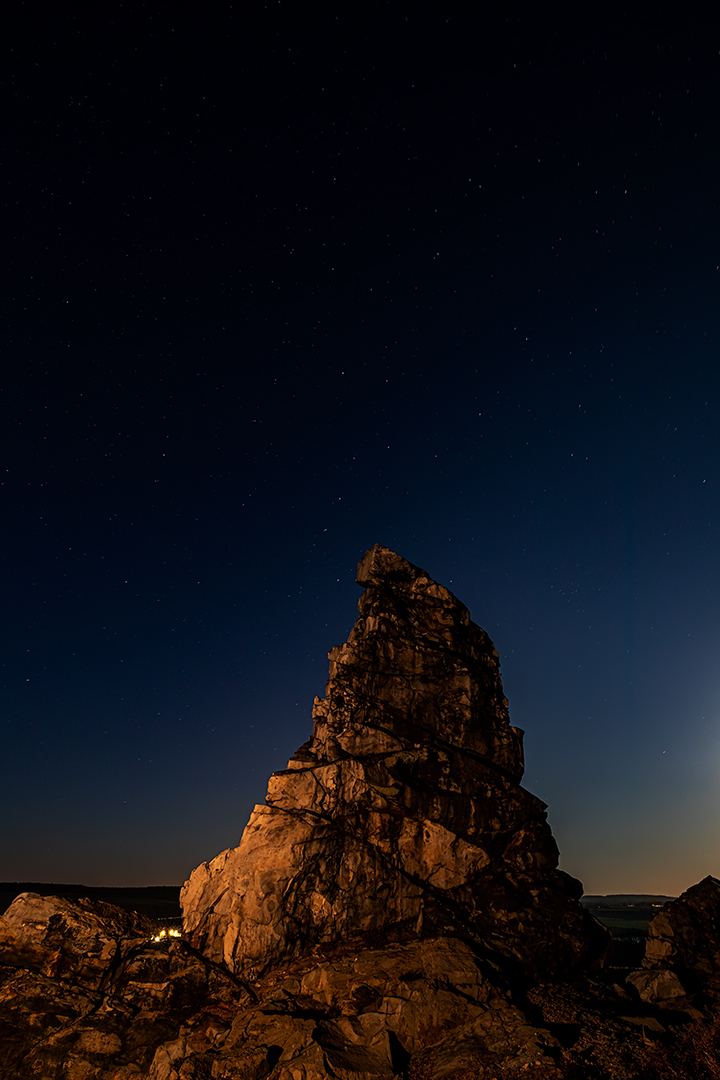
x,y
83,997
59,937
86,993
386,914
682,955
429,1009
402,817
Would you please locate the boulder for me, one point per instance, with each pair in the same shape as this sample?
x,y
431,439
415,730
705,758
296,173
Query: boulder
x,y
653,986
684,938
402,817
73,940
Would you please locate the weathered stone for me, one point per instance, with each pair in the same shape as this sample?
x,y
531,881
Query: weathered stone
x,y
402,816
374,919
656,985
500,1036
686,932
684,938
366,1014
647,1024
74,940
33,1008
82,996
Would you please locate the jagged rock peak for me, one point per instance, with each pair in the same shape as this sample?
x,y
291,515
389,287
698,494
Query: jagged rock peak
x,y
402,815
383,567
414,670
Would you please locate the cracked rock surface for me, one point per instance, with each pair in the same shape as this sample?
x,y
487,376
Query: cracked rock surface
x,y
386,913
682,954
403,814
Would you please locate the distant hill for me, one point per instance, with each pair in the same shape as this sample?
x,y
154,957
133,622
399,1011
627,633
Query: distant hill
x,y
156,902
626,915
624,899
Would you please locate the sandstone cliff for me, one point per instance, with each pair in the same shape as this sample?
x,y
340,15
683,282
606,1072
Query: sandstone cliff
x,y
402,817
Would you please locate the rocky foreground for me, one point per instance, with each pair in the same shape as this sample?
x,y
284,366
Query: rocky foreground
x,y
393,909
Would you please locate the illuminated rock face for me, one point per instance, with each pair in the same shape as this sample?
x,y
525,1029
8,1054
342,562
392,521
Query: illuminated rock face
x,y
72,940
402,817
379,907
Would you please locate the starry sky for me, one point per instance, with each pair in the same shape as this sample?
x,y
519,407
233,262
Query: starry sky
x,y
281,282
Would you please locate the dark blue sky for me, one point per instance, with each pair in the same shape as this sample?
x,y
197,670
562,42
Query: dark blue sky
x,y
283,285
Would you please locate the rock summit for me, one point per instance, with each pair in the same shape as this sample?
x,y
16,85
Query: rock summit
x,y
402,818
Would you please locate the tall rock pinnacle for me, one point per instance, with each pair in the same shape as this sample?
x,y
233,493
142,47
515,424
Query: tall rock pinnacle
x,y
402,817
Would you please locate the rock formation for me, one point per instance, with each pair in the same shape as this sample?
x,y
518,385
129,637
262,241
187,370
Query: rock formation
x,y
57,937
385,914
394,909
89,992
402,817
682,955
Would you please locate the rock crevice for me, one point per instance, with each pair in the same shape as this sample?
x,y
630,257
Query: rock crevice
x,y
403,814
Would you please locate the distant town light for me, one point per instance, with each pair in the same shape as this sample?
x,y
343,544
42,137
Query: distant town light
x,y
166,934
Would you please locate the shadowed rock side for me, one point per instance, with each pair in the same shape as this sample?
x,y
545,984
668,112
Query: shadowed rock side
x,y
682,955
403,816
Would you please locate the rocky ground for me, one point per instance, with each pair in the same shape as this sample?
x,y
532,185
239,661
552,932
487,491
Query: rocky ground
x,y
394,909
86,991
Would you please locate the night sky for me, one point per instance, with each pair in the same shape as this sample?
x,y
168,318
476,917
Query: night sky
x,y
284,281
